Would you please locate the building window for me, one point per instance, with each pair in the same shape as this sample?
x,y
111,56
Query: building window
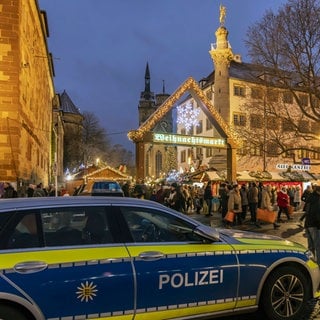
x,y
183,157
255,150
239,91
272,123
158,163
288,153
209,125
244,148
315,102
304,126
303,98
287,125
256,93
199,127
209,152
315,128
287,97
317,154
183,131
272,149
239,119
272,95
209,94
256,121
198,152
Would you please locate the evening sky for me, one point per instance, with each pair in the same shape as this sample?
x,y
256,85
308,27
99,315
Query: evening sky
x,y
101,47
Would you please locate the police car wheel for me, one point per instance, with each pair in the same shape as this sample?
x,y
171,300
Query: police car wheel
x,y
10,313
286,294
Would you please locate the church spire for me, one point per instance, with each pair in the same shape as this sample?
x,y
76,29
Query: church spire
x,y
147,79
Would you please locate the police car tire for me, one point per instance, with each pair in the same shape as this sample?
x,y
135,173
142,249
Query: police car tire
x,y
283,278
10,313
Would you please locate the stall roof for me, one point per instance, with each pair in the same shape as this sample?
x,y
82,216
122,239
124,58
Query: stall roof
x,y
276,176
299,176
213,176
245,176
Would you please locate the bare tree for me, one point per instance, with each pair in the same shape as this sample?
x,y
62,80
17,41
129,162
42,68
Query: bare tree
x,y
95,144
287,45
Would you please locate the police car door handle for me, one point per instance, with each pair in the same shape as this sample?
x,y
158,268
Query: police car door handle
x,y
151,255
30,267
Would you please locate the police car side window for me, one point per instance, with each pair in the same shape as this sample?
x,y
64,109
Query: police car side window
x,y
148,225
75,226
25,233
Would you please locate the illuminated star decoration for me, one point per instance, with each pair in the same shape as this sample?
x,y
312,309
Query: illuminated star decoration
x,y
187,116
87,291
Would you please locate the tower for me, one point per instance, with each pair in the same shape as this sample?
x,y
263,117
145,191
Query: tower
x,y
147,102
221,54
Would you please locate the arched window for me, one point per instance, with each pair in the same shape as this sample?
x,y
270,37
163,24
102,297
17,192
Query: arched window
x,y
158,163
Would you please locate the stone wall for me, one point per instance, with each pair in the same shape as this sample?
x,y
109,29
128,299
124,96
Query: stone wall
x,y
26,93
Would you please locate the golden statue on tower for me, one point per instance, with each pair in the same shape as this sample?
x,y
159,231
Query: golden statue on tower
x,y
223,12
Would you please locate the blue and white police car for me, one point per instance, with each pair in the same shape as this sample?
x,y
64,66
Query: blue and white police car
x,y
124,258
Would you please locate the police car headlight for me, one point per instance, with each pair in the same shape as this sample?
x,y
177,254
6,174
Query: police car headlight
x,y
310,256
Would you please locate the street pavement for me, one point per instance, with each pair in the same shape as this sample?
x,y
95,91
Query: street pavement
x,y
289,230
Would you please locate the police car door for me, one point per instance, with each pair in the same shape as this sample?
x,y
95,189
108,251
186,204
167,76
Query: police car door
x,y
178,272
67,266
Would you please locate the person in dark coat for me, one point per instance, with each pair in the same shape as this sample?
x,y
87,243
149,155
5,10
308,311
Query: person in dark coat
x,y
305,195
208,197
312,222
9,191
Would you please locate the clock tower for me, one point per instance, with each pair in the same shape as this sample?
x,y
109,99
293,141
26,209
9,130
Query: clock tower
x,y
147,104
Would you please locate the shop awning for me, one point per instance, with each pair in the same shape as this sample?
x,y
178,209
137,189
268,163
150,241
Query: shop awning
x,y
212,175
276,176
245,176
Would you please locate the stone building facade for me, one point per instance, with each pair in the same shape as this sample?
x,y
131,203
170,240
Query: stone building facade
x,y
256,108
27,95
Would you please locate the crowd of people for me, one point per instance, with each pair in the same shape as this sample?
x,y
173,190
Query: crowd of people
x,y
32,190
243,200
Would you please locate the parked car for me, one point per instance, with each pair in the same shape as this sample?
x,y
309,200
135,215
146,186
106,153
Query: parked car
x,y
127,258
101,188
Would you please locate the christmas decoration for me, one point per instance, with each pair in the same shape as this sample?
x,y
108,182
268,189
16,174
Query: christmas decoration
x,y
187,116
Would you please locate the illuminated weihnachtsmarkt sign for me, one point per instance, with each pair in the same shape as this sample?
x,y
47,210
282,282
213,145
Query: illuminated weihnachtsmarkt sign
x,y
188,140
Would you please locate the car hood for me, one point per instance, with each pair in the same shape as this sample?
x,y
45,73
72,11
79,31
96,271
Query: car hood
x,y
252,238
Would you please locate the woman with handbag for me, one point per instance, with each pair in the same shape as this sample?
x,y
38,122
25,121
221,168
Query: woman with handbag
x,y
234,203
266,202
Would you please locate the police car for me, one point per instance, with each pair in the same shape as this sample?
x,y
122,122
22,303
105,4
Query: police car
x,y
124,258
